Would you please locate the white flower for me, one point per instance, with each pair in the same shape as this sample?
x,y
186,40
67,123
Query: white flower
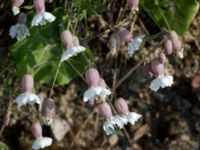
x,y
19,31
15,10
135,45
70,52
92,92
27,98
42,18
115,122
132,117
161,82
120,121
41,143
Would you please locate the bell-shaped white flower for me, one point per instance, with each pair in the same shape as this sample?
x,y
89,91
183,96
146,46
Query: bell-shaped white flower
x,y
27,98
135,45
93,92
19,31
115,122
161,82
41,143
42,18
132,117
70,52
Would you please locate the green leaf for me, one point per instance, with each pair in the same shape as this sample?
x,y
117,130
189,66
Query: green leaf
x,y
171,14
40,53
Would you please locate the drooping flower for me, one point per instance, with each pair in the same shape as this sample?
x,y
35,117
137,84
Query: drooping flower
x,y
134,44
114,42
96,90
172,44
40,141
113,122
122,108
42,16
15,6
47,111
157,69
20,30
71,44
27,97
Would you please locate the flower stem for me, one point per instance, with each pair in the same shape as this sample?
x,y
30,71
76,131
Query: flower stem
x,y
54,80
76,70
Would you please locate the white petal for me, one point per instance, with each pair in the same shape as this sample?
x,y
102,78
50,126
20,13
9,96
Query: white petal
x,y
104,92
135,45
92,92
133,117
67,54
13,31
80,48
120,121
27,98
48,17
15,10
89,95
19,31
161,82
70,52
108,127
37,20
41,143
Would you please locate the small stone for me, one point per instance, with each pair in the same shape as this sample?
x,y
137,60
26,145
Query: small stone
x,y
59,128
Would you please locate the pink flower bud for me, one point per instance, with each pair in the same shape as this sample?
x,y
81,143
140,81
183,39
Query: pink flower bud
x,y
22,18
67,39
162,57
76,41
114,41
102,83
133,3
176,44
92,77
105,110
6,120
48,108
157,67
17,3
37,130
168,46
39,5
27,83
125,34
121,106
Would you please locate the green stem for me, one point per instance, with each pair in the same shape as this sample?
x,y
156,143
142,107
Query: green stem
x,y
76,70
54,80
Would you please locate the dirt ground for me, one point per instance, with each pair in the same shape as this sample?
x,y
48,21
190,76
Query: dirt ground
x,y
170,116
